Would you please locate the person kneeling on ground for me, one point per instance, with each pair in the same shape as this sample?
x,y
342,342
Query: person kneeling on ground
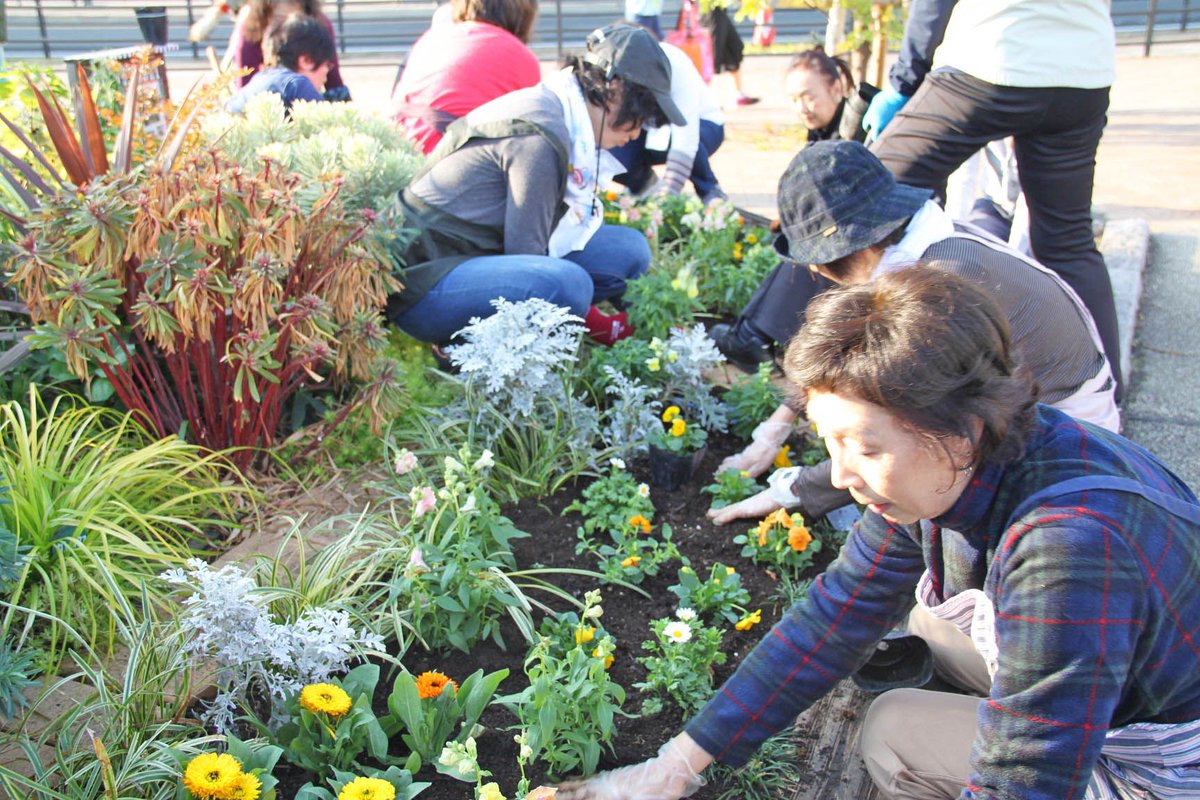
x,y
299,54
685,149
507,204
1053,566
844,215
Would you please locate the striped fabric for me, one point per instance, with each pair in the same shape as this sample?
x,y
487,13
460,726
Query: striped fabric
x,y
1097,614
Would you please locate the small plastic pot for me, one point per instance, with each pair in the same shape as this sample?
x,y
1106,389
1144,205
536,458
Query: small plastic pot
x,y
670,470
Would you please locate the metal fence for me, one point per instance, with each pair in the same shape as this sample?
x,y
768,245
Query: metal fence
x,y
59,28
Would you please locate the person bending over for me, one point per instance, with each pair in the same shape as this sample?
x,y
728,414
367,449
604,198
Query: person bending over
x,y
299,56
507,204
1053,566
845,216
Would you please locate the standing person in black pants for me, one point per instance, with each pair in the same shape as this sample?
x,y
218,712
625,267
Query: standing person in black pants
x,y
972,71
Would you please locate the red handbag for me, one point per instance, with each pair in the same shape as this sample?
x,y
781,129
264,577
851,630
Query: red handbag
x,y
690,37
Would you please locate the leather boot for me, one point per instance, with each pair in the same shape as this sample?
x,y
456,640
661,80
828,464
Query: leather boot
x,y
743,347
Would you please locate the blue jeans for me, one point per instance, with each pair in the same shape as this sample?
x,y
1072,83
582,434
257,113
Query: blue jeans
x,y
638,161
614,255
648,21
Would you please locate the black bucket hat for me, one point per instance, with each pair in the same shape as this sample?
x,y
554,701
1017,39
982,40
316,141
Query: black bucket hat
x,y
837,198
631,53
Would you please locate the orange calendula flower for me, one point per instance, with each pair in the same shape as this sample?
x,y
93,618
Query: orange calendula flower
x,y
671,413
799,538
610,195
638,521
632,561
749,621
678,426
781,458
431,684
325,698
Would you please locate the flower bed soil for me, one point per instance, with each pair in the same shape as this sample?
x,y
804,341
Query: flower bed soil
x,y
627,617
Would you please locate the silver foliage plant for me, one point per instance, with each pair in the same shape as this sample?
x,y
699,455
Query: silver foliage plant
x,y
695,355
520,354
632,412
229,624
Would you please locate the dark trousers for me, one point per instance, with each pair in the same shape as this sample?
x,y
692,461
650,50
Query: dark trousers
x,y
638,161
778,305
1056,131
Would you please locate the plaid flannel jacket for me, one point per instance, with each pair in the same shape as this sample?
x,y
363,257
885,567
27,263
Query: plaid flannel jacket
x,y
1097,598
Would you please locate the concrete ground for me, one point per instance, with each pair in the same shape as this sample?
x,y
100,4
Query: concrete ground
x,y
1148,168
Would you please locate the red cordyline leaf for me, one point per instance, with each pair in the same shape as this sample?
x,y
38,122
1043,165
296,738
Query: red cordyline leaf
x,y
65,142
88,120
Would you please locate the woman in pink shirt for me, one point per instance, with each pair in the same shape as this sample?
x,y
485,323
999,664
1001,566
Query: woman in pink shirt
x,y
453,69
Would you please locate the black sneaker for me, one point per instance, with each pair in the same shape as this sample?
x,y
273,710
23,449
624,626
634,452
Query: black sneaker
x,y
741,346
900,661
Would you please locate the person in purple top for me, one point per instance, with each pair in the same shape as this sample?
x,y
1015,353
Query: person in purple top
x,y
1052,566
300,52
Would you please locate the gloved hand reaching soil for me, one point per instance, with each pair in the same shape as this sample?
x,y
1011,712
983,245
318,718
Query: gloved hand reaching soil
x,y
673,773
768,437
808,490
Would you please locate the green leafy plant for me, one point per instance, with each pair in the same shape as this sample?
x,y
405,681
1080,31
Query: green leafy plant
x,y
17,670
682,654
429,707
731,486
567,712
663,298
722,595
632,552
205,293
332,725
243,770
781,540
676,435
770,772
751,400
612,500
92,495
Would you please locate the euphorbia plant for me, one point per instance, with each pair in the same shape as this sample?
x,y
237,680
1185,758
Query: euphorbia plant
x,y
203,291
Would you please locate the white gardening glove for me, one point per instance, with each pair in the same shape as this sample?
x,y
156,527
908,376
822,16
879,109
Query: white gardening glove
x,y
768,438
757,507
674,773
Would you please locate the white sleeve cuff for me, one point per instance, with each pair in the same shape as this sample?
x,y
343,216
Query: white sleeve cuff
x,y
780,486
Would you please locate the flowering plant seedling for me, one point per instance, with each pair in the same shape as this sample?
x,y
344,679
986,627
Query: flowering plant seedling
x,y
676,435
392,783
731,486
663,298
633,552
721,595
567,630
683,652
430,706
751,400
610,501
567,712
333,725
243,771
782,540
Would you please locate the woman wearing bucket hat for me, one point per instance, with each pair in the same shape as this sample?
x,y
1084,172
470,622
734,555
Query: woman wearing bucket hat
x,y
846,217
507,204
1055,562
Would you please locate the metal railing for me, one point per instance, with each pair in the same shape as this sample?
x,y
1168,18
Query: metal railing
x,y
58,28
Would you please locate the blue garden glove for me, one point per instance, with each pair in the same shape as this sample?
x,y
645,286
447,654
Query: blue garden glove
x,y
883,107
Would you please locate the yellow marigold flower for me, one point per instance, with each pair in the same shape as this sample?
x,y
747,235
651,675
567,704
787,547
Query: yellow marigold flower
x,y
749,621
325,698
751,238
632,561
678,426
491,791
608,660
584,634
431,684
367,789
737,252
781,458
212,776
799,538
248,787
671,413
638,521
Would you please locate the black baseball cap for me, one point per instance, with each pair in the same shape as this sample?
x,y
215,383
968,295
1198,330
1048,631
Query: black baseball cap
x,y
631,53
837,198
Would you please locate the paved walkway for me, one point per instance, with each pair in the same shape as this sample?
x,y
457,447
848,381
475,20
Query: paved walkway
x,y
1148,168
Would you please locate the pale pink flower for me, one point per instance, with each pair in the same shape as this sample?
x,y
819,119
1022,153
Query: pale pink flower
x,y
425,501
406,462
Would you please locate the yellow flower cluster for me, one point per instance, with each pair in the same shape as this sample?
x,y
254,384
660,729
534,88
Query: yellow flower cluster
x,y
213,776
325,698
367,789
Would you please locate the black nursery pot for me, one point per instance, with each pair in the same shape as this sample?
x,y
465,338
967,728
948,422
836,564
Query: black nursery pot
x,y
670,470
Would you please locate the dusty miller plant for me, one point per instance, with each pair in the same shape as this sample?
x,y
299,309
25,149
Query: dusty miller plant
x,y
230,624
695,354
632,411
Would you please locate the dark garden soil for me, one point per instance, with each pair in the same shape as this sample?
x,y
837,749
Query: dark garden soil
x,y
627,616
